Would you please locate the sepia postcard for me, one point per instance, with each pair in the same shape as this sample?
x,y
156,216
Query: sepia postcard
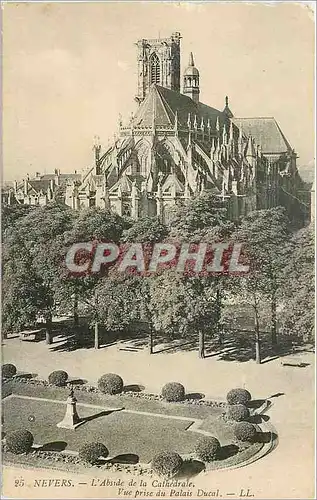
x,y
158,250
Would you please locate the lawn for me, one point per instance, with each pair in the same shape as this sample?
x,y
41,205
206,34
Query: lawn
x,y
126,431
130,403
122,432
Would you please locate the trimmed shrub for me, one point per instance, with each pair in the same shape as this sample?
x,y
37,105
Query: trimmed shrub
x,y
173,391
167,464
19,441
110,384
91,452
245,431
238,396
59,378
238,413
8,370
207,448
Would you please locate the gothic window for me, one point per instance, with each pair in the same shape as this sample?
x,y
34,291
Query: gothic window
x,y
165,166
126,210
144,160
155,69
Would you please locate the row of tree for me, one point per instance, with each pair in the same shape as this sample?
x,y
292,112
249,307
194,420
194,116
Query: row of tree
x,y
36,280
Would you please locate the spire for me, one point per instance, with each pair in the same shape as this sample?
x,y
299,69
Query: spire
x,y
218,150
224,135
189,145
208,128
231,130
227,111
250,149
212,149
191,80
217,124
202,128
189,123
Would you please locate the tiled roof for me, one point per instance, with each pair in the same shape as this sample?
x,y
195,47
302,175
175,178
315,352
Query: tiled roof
x,y
39,185
266,133
164,103
173,181
61,176
125,184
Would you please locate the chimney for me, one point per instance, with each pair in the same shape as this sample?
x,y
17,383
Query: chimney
x,y
56,177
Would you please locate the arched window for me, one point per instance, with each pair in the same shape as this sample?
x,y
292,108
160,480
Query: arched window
x,y
155,69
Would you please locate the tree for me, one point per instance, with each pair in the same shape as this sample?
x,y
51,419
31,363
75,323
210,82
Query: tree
x,y
145,230
182,306
93,225
298,309
23,292
265,234
33,249
148,231
10,214
204,218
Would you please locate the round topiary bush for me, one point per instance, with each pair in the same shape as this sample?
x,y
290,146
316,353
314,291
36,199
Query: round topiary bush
x,y
91,452
19,441
207,448
238,396
59,378
167,464
173,391
245,431
238,413
110,384
8,370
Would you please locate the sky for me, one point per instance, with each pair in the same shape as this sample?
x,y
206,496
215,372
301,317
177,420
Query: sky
x,y
69,70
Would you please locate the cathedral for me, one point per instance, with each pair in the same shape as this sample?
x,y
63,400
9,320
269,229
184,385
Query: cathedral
x,y
175,147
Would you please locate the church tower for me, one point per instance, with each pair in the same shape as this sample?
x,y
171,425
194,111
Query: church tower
x,y
158,62
191,80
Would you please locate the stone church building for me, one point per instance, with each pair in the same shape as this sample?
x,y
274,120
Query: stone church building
x,y
175,147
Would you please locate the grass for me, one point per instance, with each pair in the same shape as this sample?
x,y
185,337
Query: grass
x,y
121,432
124,433
219,429
130,403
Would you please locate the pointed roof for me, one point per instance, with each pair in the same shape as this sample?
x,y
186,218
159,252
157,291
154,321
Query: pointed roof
x,y
154,109
124,183
191,70
266,132
165,102
173,181
227,111
250,149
